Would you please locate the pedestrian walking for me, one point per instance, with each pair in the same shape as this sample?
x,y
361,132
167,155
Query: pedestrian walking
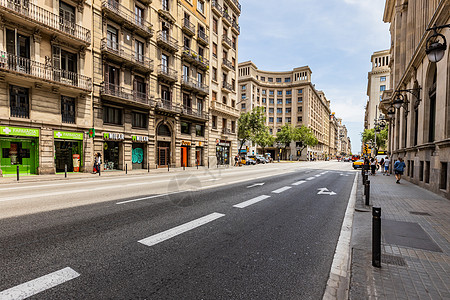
x,y
94,170
386,166
399,167
97,162
373,165
236,159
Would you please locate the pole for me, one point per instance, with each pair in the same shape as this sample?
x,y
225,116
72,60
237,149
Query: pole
x,y
168,167
99,169
148,167
184,167
126,169
17,172
376,237
367,192
65,171
363,174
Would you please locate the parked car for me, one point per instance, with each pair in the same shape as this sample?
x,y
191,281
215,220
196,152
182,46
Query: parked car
x,y
358,164
250,161
346,159
261,160
355,157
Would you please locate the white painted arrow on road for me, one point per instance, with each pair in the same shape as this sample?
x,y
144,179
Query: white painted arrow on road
x,y
325,191
256,184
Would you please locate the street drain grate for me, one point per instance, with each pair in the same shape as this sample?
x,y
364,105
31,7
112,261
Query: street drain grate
x,y
419,213
393,260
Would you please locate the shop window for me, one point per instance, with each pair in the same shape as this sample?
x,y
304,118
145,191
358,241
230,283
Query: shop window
x,y
214,122
233,126
199,130
139,120
185,127
427,172
163,130
68,109
15,153
443,182
112,115
19,102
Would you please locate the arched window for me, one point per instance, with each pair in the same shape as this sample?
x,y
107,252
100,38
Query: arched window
x,y
163,130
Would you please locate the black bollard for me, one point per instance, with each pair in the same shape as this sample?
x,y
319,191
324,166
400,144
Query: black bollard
x,y
363,174
126,169
367,192
184,167
208,163
197,164
99,169
148,167
168,167
65,171
376,237
17,172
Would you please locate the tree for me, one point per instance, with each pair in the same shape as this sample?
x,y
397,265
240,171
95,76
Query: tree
x,y
286,135
250,125
264,139
305,137
369,136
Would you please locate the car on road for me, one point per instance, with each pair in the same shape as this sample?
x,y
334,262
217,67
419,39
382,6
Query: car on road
x,y
358,163
261,160
250,160
346,159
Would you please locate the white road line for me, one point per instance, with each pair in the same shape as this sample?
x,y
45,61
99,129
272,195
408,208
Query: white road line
x,y
310,178
251,201
280,190
149,197
299,182
168,234
318,175
38,285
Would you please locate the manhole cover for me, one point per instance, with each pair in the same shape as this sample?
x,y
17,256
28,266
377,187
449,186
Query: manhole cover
x,y
419,213
393,260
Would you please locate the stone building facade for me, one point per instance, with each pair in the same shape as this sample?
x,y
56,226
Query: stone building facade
x,y
420,128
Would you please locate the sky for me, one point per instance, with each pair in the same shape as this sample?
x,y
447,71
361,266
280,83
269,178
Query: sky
x,y
335,38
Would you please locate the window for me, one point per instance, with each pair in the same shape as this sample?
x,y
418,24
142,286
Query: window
x,y
199,130
271,101
280,120
243,87
243,96
165,4
214,50
271,110
279,110
271,93
68,109
279,101
139,48
214,122
264,100
214,96
278,79
214,25
270,79
67,17
224,100
233,62
112,115
288,100
233,42
187,42
289,92
19,102
214,73
287,79
288,120
185,127
300,91
199,105
299,119
201,51
233,126
383,78
280,93
300,99
233,84
270,119
139,120
271,130
263,92
263,78
243,106
299,109
382,88
138,15
288,110
112,38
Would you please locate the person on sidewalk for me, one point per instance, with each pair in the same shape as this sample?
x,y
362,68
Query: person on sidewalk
x,y
94,170
373,165
399,167
386,166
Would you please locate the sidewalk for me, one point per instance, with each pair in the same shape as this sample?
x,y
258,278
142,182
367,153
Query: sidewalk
x,y
415,243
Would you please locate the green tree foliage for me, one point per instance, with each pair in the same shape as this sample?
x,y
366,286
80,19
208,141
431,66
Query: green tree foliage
x,y
250,125
305,136
285,135
369,136
264,139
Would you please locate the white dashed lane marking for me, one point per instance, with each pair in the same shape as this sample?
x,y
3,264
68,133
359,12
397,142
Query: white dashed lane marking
x,y
251,201
280,190
310,178
38,285
299,182
168,234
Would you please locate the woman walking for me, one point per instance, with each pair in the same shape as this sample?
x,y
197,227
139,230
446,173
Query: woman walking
x,y
373,165
399,167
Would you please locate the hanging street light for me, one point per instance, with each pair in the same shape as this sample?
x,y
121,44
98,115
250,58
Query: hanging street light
x,y
435,49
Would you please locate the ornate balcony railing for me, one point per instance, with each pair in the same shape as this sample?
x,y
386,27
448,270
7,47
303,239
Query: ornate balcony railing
x,y
20,112
227,41
38,14
166,39
43,71
227,86
203,37
126,53
188,27
225,108
238,5
127,15
216,6
166,104
228,64
195,57
194,84
125,94
167,72
189,111
236,26
227,17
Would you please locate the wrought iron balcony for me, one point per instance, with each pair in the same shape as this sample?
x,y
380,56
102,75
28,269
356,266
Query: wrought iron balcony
x,y
188,27
167,106
227,87
227,18
236,27
120,93
123,53
48,21
226,41
192,112
216,7
192,84
227,64
46,72
193,57
203,38
124,15
167,73
237,4
227,131
164,40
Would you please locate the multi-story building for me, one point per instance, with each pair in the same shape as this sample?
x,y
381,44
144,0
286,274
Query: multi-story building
x,y
288,98
45,84
378,81
224,33
333,136
420,126
343,141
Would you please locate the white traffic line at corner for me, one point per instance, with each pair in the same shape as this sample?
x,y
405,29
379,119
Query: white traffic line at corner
x,y
280,190
38,285
310,178
251,201
168,234
299,182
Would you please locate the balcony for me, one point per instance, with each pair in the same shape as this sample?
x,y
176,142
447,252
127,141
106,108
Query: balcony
x,y
188,27
223,108
193,113
35,70
164,40
236,4
116,11
227,64
227,18
227,131
194,58
124,95
203,38
235,26
166,106
226,87
24,12
122,54
216,7
193,85
168,74
226,42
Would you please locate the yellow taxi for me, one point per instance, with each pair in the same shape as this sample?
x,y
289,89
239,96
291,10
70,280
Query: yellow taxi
x,y
358,163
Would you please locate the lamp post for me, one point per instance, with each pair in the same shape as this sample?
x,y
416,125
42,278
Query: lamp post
x,y
435,50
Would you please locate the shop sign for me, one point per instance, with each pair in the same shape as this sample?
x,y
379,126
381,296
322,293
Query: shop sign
x,y
113,136
66,135
224,144
18,131
185,143
139,138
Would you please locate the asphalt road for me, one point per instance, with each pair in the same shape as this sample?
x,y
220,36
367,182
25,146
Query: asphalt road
x,y
222,235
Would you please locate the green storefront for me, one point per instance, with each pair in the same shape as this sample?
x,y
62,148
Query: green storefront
x,y
19,147
68,144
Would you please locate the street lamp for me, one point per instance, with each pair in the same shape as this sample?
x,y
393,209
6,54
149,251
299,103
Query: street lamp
x,y
434,48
